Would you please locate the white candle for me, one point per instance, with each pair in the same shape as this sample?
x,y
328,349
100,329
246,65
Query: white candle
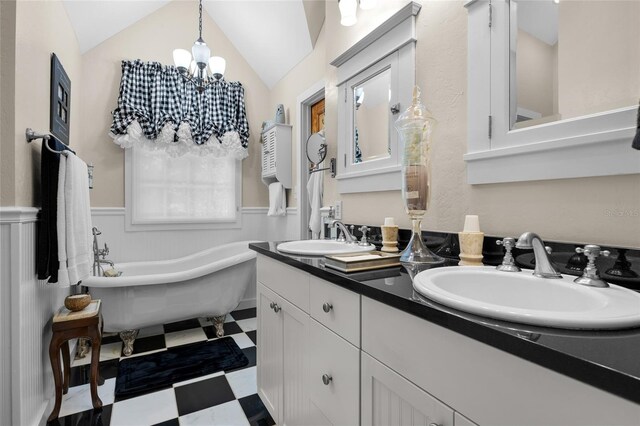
x,y
471,223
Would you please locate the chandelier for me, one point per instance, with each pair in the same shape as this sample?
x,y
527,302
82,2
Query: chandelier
x,y
196,70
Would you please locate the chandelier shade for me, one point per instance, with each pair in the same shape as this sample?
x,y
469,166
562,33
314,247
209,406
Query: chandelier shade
x,y
217,65
182,58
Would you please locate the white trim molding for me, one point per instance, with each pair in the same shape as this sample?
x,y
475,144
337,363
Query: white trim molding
x,y
591,145
18,214
304,101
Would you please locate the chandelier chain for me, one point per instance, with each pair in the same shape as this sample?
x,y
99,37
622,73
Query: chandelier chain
x,y
200,20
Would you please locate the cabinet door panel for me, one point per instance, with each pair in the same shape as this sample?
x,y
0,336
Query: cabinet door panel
x,y
269,352
295,355
330,354
390,399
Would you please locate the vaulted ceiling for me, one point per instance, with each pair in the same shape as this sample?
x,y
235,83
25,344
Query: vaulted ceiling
x,y
272,35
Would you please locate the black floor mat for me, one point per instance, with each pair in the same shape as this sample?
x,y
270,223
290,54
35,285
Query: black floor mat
x,y
145,373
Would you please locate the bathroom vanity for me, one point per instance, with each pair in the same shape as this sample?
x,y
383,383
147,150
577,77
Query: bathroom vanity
x,y
337,349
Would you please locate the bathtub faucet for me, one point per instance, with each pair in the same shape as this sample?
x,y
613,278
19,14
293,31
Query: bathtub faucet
x,y
99,253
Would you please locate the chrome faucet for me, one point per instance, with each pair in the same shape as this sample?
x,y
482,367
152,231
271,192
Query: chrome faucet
x,y
98,271
544,268
347,235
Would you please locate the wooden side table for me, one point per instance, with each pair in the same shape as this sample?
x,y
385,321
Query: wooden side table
x,y
72,325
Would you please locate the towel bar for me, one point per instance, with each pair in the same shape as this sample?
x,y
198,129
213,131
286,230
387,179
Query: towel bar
x,y
31,136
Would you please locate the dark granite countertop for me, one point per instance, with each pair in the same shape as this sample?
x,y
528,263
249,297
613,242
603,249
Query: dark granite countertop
x,y
608,360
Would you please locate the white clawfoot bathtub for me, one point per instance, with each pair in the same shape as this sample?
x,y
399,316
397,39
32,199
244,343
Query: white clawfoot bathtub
x,y
209,283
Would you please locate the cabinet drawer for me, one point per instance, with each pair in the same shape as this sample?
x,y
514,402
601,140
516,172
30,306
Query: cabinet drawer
x,y
335,357
288,282
343,306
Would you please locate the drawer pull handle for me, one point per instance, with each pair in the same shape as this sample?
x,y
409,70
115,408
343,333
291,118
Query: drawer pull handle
x,y
326,379
434,424
327,307
271,305
276,308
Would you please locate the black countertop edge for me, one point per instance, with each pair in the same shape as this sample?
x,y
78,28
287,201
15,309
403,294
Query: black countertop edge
x,y
602,377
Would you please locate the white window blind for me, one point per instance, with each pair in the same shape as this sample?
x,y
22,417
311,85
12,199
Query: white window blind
x,y
186,189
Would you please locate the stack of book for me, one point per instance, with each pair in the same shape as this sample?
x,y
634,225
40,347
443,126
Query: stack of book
x,y
362,261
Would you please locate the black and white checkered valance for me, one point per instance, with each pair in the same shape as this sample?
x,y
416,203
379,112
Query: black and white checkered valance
x,y
159,109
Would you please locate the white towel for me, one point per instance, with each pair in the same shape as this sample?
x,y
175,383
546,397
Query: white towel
x,y
74,221
314,193
63,274
277,200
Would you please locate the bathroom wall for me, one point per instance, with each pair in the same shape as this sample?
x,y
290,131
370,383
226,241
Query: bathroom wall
x,y
153,39
307,73
7,100
30,32
41,28
603,210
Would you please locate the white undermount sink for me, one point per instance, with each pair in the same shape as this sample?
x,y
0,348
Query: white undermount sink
x,y
322,247
521,297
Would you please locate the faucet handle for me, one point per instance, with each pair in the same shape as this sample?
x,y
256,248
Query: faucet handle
x,y
592,251
104,252
508,263
507,242
351,228
590,275
364,229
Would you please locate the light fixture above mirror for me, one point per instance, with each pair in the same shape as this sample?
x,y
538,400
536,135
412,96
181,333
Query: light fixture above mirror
x,y
349,8
197,70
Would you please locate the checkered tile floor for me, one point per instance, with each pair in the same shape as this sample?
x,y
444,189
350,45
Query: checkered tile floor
x,y
226,398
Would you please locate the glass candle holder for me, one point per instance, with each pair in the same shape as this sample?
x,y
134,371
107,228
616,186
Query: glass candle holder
x,y
415,127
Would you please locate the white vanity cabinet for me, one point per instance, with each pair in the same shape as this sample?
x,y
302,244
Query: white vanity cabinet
x,y
308,372
478,381
329,356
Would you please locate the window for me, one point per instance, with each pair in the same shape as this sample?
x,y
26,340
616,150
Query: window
x,y
187,192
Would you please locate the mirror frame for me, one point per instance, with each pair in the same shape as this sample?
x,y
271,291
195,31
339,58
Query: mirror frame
x,y
590,145
391,45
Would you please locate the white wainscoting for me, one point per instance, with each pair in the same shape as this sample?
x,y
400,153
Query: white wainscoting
x,y
132,246
26,308
27,304
167,244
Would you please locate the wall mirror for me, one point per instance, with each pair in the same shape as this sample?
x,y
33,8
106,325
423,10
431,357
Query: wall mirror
x,y
316,149
563,66
375,80
553,89
371,118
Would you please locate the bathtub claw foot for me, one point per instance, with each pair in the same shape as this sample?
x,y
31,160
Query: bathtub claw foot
x,y
218,323
128,338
